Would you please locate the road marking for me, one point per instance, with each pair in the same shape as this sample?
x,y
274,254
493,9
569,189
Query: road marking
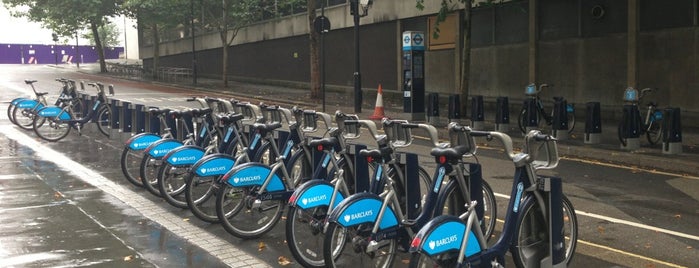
x,y
230,255
686,176
624,222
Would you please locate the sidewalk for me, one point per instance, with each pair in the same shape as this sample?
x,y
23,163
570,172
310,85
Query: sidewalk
x,y
608,150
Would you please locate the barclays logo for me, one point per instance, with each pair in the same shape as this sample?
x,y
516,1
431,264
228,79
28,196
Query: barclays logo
x,y
184,158
213,169
442,242
359,215
314,199
247,179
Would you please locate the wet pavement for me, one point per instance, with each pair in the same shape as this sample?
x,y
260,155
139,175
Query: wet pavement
x,y
88,214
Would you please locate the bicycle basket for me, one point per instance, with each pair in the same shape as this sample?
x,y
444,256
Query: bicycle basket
x,y
530,90
398,136
462,137
545,154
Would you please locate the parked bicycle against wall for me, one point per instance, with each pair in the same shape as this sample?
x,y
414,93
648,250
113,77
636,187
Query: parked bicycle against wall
x,y
652,124
525,120
528,232
53,123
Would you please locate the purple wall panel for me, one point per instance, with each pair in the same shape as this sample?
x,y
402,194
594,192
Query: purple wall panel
x,y
44,54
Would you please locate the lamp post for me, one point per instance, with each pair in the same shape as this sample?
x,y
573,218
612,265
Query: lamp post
x,y
354,10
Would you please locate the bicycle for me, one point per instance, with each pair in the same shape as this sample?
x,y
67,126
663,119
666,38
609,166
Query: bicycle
x,y
22,111
53,123
370,226
652,124
526,120
451,241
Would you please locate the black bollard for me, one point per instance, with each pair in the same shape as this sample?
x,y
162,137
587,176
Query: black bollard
x,y
560,118
629,128
477,117
672,131
593,123
502,114
432,107
531,116
454,107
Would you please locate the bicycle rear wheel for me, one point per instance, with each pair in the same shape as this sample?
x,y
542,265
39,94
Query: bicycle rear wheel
x,y
149,173
23,117
245,216
130,165
172,183
50,129
200,194
532,237
522,120
10,112
346,247
418,260
571,121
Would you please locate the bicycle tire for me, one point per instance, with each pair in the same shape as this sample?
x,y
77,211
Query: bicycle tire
x,y
654,132
10,112
50,129
172,183
149,173
571,121
304,228
24,117
341,250
529,239
420,260
104,120
454,205
243,215
131,164
620,134
200,194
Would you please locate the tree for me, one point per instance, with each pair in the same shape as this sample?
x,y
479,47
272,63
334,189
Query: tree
x,y
66,17
109,34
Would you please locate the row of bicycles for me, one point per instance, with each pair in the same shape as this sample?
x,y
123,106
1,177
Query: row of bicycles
x,y
352,195
70,110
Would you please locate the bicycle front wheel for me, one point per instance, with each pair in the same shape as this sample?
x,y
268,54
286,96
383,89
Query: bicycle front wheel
x,y
50,129
130,165
104,120
654,131
532,236
245,216
149,173
171,184
347,247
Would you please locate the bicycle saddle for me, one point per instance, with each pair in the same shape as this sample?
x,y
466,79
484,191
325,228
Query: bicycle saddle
x,y
452,154
29,82
380,153
231,118
201,112
263,129
178,114
325,144
156,111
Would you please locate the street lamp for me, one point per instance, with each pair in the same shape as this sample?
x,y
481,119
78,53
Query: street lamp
x,y
355,6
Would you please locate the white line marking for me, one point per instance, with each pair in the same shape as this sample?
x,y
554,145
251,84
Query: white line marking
x,y
684,176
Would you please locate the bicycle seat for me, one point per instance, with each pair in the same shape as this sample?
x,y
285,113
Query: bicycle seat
x,y
231,118
178,114
325,144
452,154
39,94
652,103
29,82
201,112
379,153
156,111
263,129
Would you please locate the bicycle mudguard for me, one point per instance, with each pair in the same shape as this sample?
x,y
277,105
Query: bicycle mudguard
x,y
213,165
362,208
53,111
253,174
443,234
161,147
27,103
142,141
314,193
17,100
184,155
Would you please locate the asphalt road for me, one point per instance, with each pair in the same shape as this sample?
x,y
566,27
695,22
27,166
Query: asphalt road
x,y
627,216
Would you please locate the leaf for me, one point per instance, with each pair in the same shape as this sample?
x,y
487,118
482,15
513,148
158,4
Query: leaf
x,y
185,219
261,246
284,261
600,229
57,195
678,216
128,258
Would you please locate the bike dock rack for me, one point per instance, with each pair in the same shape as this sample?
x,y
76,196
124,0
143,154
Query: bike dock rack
x,y
410,164
432,108
502,115
593,123
531,117
454,107
629,128
361,168
477,115
559,126
672,131
555,257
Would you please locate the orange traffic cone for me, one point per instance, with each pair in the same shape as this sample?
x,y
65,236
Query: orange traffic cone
x,y
378,110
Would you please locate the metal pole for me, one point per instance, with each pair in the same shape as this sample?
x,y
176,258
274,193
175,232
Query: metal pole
x,y
126,52
322,53
357,76
194,54
77,50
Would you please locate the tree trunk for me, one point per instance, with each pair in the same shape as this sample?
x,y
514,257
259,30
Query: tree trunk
x,y
465,57
98,45
156,50
224,43
314,51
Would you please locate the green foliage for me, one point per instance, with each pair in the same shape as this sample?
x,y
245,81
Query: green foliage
x,y
109,34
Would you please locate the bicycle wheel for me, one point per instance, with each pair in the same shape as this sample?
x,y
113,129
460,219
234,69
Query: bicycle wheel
x,y
130,165
620,133
571,121
532,234
171,184
425,181
104,120
245,216
448,259
346,247
24,117
50,129
149,173
200,194
10,112
654,132
454,205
